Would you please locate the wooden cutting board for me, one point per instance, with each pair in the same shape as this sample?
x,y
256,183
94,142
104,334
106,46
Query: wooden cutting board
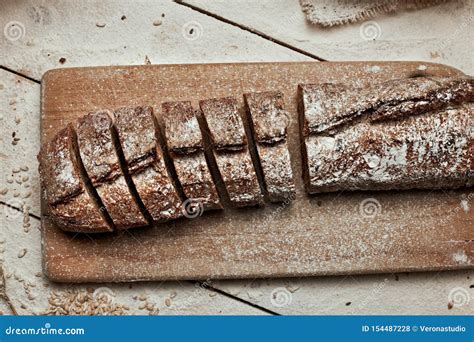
x,y
340,233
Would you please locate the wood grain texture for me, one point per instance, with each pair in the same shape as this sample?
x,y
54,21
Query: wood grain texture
x,y
434,34
61,33
319,235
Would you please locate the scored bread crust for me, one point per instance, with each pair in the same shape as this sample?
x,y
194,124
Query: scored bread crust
x,y
269,121
390,142
184,141
144,158
101,163
329,106
70,204
231,152
182,131
225,125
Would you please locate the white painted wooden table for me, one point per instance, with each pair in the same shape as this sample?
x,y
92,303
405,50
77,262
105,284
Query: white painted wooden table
x,y
38,36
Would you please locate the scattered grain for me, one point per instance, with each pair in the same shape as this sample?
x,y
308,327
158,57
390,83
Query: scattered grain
x,y
22,253
82,303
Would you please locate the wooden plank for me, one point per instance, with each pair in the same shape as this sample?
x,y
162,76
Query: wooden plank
x,y
319,235
423,293
61,33
435,34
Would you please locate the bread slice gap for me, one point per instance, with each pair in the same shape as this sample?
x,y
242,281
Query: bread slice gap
x,y
225,128
72,201
302,139
268,122
137,134
102,165
212,163
128,178
183,140
252,146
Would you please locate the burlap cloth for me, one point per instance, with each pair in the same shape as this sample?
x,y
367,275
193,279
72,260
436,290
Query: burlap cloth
x,y
338,12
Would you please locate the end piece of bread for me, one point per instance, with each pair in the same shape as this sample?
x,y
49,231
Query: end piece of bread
x,y
70,204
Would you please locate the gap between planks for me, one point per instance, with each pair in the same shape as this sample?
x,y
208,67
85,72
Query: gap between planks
x,y
20,74
249,29
226,294
20,210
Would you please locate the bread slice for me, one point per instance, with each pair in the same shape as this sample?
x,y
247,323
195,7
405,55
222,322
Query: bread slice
x,y
401,134
70,203
136,128
184,142
268,122
101,163
226,130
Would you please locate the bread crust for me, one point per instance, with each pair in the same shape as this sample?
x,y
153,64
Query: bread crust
x,y
224,122
135,129
144,158
405,136
184,141
329,106
182,131
268,122
231,151
70,204
101,163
